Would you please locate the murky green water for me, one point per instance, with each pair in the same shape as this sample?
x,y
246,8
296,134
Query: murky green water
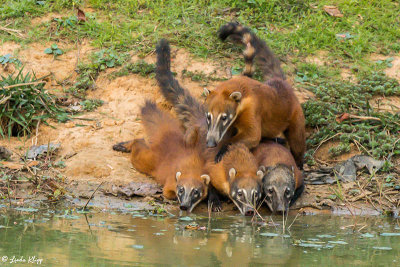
x,y
139,239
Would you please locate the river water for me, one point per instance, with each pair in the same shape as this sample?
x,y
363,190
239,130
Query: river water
x,y
30,237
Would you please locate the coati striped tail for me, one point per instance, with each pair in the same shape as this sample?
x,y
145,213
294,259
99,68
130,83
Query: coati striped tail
x,y
255,49
189,110
170,87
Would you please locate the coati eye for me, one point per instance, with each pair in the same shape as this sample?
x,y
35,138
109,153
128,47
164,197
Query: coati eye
x,y
181,190
208,117
196,192
224,117
270,190
239,193
287,191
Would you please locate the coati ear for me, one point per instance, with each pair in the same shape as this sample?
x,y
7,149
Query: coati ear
x,y
232,173
262,168
178,175
236,96
206,178
260,174
206,92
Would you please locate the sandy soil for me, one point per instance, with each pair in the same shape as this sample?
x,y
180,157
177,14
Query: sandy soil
x,y
86,143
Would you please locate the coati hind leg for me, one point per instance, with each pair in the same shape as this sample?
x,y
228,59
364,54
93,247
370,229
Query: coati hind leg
x,y
295,135
142,157
123,146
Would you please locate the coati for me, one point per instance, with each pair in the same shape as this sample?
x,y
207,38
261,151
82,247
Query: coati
x,y
236,176
179,168
282,181
250,110
189,111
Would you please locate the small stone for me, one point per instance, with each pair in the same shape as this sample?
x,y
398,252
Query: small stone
x,y
5,153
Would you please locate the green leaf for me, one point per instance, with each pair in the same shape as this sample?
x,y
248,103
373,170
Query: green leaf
x,y
58,52
110,64
48,51
54,46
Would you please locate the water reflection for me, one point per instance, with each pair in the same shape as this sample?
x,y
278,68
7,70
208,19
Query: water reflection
x,y
105,239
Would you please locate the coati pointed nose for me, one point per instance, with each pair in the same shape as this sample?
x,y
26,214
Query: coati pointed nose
x,y
249,213
211,142
184,207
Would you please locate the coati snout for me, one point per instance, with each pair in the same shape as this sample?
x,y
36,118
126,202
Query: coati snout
x,y
220,115
191,191
245,192
278,186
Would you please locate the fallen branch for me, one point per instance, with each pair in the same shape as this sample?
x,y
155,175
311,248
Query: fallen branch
x,y
12,31
90,198
21,84
345,116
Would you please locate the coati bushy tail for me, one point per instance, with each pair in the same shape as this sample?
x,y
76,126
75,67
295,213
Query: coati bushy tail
x,y
255,49
189,110
170,87
155,119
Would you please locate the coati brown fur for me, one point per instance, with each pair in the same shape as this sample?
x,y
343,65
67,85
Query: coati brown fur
x,y
249,110
179,168
188,109
236,176
282,181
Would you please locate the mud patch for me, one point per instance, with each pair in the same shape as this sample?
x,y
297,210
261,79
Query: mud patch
x,y
386,104
394,71
319,59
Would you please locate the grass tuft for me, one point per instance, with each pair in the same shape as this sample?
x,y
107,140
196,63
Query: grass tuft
x,y
24,102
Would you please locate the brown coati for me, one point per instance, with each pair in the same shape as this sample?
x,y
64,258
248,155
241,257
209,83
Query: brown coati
x,y
252,110
189,110
237,177
179,168
282,181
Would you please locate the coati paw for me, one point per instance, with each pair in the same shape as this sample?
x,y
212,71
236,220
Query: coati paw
x,y
121,147
221,153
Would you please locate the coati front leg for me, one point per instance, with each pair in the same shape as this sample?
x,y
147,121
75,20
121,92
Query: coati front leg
x,y
169,190
213,199
295,135
250,136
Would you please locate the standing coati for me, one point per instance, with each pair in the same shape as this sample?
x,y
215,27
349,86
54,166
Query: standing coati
x,y
236,176
282,181
179,168
251,109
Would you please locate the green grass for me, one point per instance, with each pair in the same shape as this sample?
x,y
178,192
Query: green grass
x,y
140,67
292,28
25,102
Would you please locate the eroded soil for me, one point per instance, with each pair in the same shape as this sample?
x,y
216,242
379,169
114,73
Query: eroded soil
x,y
86,142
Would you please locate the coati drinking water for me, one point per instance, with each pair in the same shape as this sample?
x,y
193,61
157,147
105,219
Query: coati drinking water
x,y
166,157
282,181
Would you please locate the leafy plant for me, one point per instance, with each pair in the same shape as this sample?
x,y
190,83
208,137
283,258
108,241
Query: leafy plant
x,y
53,50
88,72
374,132
91,104
8,59
24,102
